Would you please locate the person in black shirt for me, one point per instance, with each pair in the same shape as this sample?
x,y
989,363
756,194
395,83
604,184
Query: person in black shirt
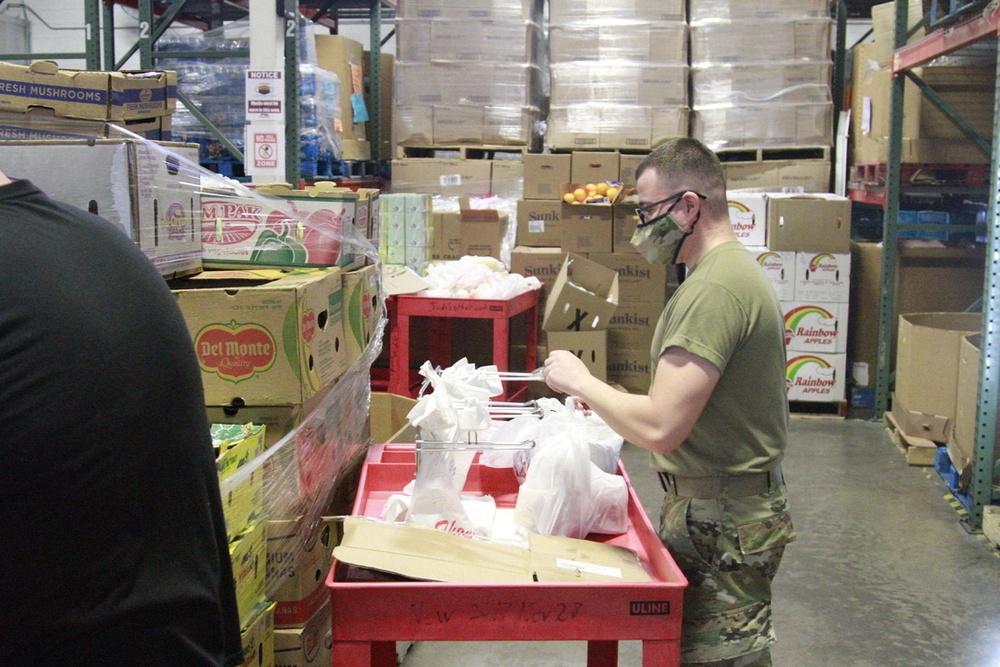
x,y
114,548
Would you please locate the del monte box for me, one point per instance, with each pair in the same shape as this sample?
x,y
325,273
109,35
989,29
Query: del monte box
x,y
265,337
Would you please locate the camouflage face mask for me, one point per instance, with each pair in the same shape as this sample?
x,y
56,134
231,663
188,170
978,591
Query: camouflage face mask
x,y
659,240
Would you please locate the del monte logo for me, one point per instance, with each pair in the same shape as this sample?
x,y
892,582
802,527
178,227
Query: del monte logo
x,y
234,351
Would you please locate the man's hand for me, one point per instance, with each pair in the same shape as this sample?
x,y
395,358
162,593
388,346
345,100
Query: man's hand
x,y
564,372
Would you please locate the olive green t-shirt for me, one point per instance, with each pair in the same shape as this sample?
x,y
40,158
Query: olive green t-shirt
x,y
726,312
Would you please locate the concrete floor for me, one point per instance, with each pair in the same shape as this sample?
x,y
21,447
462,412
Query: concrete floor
x,y
883,573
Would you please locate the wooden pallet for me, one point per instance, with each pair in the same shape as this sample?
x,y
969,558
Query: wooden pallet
x,y
836,409
773,154
991,523
459,151
918,451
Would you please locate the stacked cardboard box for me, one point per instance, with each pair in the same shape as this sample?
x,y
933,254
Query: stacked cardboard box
x,y
760,74
928,135
803,244
617,83
468,75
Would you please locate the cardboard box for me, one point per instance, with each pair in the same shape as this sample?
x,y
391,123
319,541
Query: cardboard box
x,y
388,418
627,164
482,232
811,223
279,420
251,232
594,166
962,440
542,263
447,236
638,280
586,228
591,347
633,324
235,446
573,11
145,189
539,222
583,298
778,175
623,223
258,639
507,179
361,310
748,215
927,361
345,57
816,377
823,276
815,327
86,94
298,559
265,337
305,646
630,368
779,265
544,174
248,553
448,178
425,553
920,272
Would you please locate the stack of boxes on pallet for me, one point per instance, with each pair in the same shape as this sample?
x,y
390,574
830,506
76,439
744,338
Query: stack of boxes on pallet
x,y
468,73
803,244
760,74
616,82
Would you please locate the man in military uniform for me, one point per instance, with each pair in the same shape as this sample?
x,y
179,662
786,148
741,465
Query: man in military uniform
x,y
716,416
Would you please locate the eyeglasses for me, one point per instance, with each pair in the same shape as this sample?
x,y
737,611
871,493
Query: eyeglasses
x,y
643,211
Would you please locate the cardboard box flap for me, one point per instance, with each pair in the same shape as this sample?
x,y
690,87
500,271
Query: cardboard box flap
x,y
402,280
424,553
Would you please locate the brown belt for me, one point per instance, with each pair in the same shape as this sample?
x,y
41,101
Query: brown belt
x,y
732,486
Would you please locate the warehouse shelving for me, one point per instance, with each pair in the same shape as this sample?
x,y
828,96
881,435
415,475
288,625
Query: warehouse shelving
x,y
155,16
949,34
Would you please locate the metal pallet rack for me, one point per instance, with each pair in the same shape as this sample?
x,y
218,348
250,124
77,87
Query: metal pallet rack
x,y
155,16
92,48
971,23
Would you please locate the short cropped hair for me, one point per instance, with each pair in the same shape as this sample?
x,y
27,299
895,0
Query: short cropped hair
x,y
689,164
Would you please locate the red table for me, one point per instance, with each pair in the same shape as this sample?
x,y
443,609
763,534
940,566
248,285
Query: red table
x,y
368,617
404,306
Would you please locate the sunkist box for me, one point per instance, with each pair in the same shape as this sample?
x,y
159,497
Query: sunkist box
x,y
815,327
638,280
544,174
251,232
584,296
591,347
539,222
149,190
748,217
542,263
815,376
265,337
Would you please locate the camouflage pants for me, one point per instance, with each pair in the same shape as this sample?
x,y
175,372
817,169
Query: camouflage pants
x,y
729,549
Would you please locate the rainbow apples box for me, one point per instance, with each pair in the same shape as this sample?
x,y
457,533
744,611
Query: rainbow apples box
x,y
265,337
779,265
815,377
748,216
823,276
248,232
815,326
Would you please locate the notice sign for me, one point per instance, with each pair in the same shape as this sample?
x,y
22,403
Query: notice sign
x,y
265,95
263,156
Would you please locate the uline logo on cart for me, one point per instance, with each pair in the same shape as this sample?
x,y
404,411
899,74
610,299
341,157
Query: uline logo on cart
x,y
235,352
649,608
